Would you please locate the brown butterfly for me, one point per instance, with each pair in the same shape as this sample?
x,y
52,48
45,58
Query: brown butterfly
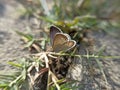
x,y
60,41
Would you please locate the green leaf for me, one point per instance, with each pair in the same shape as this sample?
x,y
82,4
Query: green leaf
x,y
24,73
27,36
29,43
3,85
5,78
15,64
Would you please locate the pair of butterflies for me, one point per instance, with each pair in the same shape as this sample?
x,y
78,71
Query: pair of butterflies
x,y
60,41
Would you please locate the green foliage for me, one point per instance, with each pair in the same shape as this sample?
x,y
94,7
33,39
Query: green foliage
x,y
17,78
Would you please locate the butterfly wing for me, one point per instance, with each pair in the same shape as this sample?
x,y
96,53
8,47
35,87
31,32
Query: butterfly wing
x,y
62,42
70,44
53,31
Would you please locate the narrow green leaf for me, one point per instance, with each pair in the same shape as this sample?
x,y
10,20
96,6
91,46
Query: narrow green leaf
x,y
3,85
28,36
24,73
15,64
29,43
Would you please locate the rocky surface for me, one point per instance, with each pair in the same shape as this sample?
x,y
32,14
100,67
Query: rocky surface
x,y
10,44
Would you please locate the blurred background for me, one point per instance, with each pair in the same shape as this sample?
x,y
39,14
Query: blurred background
x,y
101,17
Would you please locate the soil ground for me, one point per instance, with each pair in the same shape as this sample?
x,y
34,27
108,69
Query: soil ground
x,y
10,44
